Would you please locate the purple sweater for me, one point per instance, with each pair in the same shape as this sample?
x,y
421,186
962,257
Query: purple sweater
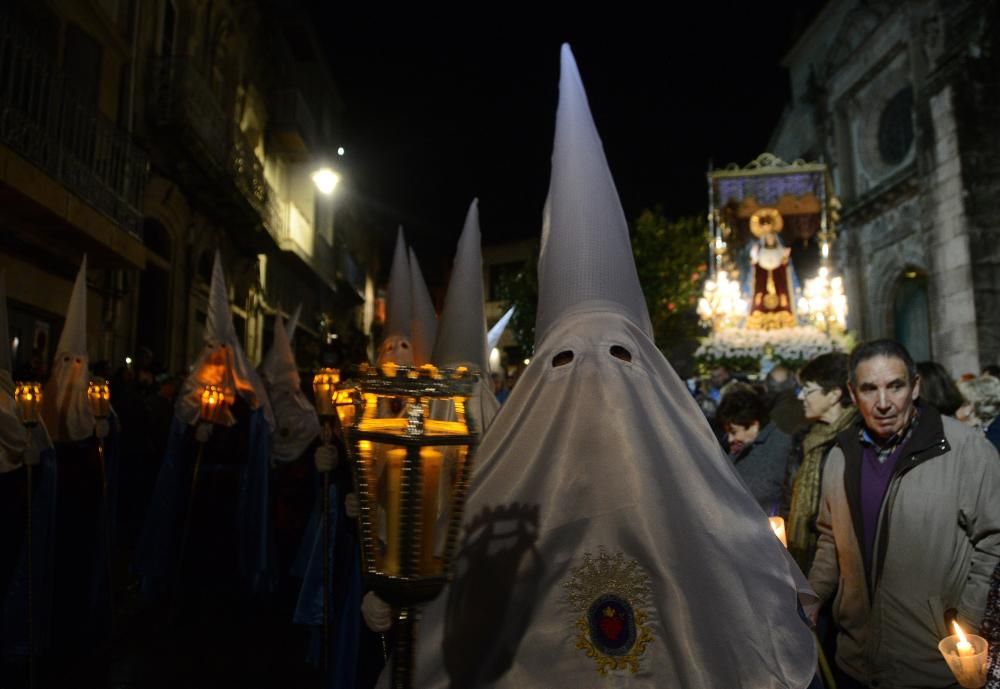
x,y
875,478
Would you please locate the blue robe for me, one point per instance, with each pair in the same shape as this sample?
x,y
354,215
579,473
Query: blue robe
x,y
158,550
344,588
14,605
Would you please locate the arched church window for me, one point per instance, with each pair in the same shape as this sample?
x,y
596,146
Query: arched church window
x,y
911,315
895,127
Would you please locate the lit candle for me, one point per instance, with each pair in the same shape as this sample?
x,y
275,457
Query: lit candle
x,y
431,460
778,527
99,394
28,398
963,647
966,657
394,477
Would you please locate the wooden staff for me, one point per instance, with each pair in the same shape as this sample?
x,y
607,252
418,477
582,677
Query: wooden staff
x,y
327,564
31,584
186,532
106,515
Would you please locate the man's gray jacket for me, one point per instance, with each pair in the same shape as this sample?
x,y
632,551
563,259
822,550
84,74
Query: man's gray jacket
x,y
936,545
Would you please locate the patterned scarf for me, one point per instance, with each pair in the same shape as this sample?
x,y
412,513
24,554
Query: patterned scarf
x,y
990,630
806,489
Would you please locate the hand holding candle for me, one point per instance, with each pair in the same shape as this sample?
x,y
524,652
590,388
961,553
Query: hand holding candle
x,y
966,656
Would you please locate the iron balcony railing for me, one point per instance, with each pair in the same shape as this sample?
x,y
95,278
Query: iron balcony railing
x,y
43,119
182,98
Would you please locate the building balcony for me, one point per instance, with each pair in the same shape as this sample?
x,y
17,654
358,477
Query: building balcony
x,y
218,167
292,126
82,151
294,233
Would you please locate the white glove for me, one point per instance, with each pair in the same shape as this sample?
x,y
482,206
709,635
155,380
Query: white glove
x,y
351,505
102,428
326,458
203,431
377,613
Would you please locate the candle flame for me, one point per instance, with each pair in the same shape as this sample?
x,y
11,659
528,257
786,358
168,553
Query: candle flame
x,y
960,633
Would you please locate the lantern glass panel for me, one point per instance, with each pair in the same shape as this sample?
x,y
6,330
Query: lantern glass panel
x,y
395,525
213,398
324,388
99,394
28,399
345,403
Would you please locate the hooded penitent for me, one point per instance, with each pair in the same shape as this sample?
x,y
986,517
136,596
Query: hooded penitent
x,y
295,418
396,344
293,322
496,332
222,362
461,338
65,407
423,324
13,437
15,442
608,539
241,515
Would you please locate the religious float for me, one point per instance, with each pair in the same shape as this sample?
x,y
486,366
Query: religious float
x,y
773,295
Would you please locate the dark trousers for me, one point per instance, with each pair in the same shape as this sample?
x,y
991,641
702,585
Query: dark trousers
x,y
845,681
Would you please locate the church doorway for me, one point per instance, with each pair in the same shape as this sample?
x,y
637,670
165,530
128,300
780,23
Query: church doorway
x,y
911,314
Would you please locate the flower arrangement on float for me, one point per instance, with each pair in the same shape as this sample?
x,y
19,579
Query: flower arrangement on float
x,y
746,350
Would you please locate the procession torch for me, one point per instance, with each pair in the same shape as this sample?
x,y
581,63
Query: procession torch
x,y
324,386
99,395
28,400
213,401
404,493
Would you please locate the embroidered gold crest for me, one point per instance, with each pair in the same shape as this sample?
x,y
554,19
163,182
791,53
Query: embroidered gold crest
x,y
609,598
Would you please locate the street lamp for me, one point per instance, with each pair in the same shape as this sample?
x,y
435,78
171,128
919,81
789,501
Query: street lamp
x,y
325,180
411,474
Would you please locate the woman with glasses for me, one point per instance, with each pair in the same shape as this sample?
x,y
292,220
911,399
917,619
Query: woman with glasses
x,y
827,404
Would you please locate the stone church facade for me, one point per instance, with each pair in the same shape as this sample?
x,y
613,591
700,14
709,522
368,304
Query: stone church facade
x,y
902,100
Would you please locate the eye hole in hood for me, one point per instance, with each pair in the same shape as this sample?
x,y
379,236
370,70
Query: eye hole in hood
x,y
620,352
562,358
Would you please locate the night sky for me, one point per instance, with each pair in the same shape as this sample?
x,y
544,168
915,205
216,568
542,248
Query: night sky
x,y
443,105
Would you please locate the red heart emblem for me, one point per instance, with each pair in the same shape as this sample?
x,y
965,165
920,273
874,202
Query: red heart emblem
x,y
611,627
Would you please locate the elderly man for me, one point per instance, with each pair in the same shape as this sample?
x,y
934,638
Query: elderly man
x,y
909,526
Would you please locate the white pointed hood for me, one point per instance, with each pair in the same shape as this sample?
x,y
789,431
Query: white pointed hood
x,y
295,419
423,324
65,406
592,265
396,343
461,338
293,322
605,529
13,436
221,362
496,332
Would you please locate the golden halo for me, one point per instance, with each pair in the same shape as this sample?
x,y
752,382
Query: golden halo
x,y
766,220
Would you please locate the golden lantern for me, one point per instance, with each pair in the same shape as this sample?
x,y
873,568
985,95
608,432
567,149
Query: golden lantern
x,y
411,473
99,394
28,400
324,384
213,400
